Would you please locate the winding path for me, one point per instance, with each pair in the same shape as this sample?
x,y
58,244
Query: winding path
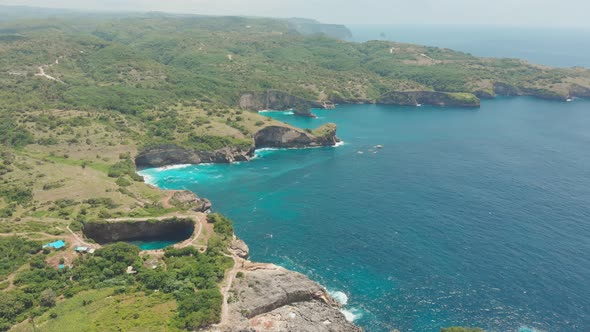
x,y
78,238
42,73
226,288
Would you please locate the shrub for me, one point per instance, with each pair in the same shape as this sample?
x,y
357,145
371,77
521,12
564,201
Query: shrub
x,y
47,298
123,181
124,167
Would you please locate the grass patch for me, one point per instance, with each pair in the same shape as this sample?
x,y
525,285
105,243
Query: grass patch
x,y
101,310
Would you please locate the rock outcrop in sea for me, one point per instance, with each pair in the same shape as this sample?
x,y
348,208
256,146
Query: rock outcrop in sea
x,y
288,137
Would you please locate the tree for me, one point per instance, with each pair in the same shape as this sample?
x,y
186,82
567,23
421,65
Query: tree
x,y
47,298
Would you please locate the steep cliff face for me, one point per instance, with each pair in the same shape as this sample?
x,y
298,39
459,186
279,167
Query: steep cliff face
x,y
268,137
484,94
171,229
285,137
170,154
270,298
505,89
429,98
276,100
541,93
577,90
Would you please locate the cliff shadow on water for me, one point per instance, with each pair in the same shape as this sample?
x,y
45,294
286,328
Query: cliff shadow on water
x,y
167,230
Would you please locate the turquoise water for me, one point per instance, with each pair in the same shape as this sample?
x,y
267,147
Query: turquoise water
x,y
164,241
565,47
153,245
465,217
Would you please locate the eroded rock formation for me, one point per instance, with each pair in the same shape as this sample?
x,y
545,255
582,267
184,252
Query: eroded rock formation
x,y
171,154
278,101
413,98
188,200
111,231
269,298
287,137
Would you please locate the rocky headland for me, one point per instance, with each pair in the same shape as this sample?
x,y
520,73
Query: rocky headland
x,y
265,297
287,137
268,137
258,297
278,100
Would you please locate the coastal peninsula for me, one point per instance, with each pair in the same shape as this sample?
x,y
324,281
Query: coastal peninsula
x,y
85,103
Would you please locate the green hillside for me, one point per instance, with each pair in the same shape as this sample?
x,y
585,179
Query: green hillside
x,y
81,95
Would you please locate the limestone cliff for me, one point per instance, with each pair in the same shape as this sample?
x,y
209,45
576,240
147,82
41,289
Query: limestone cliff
x,y
505,89
111,231
574,90
268,137
286,137
278,101
577,90
436,98
170,154
268,298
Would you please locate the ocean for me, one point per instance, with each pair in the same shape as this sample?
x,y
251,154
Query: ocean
x,y
558,47
473,217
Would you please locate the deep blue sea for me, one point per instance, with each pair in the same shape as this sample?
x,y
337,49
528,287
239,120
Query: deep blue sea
x,y
559,47
477,217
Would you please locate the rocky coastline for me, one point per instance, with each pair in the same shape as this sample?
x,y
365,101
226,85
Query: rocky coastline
x,y
264,297
269,298
280,101
268,137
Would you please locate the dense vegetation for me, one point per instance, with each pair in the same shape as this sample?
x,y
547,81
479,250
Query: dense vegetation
x,y
118,83
132,64
185,275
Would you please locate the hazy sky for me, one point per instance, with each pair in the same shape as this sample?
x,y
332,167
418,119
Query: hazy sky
x,y
505,12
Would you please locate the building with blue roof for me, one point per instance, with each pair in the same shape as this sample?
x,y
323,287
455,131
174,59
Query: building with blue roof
x,y
55,245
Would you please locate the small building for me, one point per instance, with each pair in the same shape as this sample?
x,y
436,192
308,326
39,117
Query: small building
x,y
80,249
91,250
61,266
130,270
55,245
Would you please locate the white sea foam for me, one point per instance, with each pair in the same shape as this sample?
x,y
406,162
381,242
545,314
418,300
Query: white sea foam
x,y
528,329
262,150
351,314
148,179
181,166
341,143
340,297
280,112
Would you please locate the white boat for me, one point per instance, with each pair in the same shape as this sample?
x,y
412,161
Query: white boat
x,y
379,146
